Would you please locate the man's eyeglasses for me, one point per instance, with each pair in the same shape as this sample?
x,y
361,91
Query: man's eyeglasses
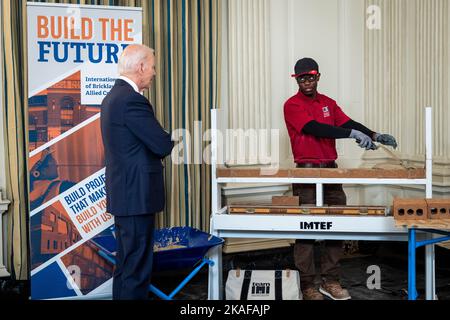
x,y
307,77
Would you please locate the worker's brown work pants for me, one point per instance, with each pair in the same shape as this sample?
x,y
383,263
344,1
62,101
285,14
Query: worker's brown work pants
x,y
332,251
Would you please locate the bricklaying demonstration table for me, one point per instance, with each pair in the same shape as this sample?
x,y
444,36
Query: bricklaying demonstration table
x,y
375,228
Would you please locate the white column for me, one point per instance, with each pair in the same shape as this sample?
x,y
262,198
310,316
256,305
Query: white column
x,y
249,84
3,207
386,72
406,69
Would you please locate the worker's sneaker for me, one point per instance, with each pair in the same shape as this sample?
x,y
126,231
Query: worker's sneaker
x,y
333,290
311,293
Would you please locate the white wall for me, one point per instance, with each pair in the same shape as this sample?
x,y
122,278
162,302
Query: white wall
x,y
330,31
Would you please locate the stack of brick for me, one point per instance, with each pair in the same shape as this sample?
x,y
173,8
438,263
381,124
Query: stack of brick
x,y
421,209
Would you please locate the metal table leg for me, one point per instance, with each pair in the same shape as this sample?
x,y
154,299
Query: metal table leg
x,y
412,291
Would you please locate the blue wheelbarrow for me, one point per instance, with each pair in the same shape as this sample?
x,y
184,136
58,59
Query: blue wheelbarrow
x,y
177,248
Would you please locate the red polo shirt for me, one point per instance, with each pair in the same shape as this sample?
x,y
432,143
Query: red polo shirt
x,y
299,111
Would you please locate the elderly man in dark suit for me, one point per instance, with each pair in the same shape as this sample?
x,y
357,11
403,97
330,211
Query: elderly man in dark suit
x,y
135,144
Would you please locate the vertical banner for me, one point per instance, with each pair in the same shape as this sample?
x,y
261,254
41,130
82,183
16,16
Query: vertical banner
x,y
73,53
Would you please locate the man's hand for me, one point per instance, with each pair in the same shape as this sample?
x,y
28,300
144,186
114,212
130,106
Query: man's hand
x,y
363,140
386,139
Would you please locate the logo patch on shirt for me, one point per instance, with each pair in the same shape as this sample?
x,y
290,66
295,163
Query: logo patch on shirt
x,y
326,112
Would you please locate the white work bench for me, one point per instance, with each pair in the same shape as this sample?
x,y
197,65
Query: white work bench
x,y
373,228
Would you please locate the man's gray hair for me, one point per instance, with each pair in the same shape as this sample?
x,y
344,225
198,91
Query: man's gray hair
x,y
132,57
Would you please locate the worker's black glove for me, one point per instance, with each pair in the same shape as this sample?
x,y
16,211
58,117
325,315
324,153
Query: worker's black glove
x,y
363,140
386,139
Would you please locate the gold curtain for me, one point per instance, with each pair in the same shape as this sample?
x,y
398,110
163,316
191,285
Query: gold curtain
x,y
15,124
186,37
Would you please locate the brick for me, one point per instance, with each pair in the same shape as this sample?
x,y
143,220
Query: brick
x,y
322,173
416,174
438,208
392,173
245,173
223,173
273,173
410,209
286,201
252,173
365,173
334,173
304,173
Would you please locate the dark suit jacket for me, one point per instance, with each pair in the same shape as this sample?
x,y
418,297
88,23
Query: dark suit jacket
x,y
135,143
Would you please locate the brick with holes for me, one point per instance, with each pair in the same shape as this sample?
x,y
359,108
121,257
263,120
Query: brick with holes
x,y
438,208
410,209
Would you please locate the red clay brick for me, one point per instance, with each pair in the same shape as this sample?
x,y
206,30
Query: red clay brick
x,y
416,174
334,173
323,173
394,173
280,173
304,173
438,208
223,173
245,173
286,201
410,209
252,173
364,173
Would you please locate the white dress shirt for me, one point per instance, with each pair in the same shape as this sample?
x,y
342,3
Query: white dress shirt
x,y
131,83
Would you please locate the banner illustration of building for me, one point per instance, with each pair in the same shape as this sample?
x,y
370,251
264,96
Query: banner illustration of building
x,y
73,51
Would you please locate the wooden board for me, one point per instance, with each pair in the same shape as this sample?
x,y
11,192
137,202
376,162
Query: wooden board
x,y
324,173
234,245
297,210
442,224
